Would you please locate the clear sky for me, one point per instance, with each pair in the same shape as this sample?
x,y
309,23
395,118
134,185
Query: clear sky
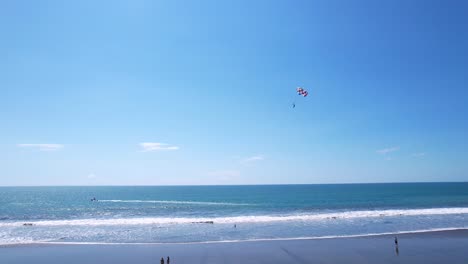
x,y
200,92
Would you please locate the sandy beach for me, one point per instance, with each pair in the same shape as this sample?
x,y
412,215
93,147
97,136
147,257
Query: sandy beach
x,y
431,247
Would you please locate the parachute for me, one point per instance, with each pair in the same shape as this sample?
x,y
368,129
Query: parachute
x,y
301,92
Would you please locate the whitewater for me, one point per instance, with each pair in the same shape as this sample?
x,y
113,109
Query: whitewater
x,y
201,214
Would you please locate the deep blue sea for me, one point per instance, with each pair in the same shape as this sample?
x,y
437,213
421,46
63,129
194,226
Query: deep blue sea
x,y
183,214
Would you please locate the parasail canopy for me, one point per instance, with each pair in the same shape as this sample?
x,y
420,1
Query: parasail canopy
x,y
302,91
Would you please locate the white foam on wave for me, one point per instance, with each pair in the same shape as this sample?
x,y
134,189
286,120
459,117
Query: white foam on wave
x,y
241,240
245,219
21,241
170,202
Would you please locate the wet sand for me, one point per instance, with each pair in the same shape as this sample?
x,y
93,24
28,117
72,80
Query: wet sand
x,y
431,247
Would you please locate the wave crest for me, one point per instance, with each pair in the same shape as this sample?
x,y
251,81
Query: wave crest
x,y
244,219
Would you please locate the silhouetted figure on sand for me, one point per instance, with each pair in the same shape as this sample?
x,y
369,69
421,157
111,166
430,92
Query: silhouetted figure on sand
x,y
168,260
162,260
397,251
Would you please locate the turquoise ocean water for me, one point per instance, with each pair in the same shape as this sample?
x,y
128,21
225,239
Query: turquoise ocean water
x,y
209,213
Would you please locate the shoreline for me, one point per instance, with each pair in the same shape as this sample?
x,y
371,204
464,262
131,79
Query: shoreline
x,y
414,248
399,233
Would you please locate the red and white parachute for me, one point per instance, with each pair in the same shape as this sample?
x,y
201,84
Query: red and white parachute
x,y
302,91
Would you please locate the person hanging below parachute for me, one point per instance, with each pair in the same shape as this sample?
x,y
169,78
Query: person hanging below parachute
x,y
302,92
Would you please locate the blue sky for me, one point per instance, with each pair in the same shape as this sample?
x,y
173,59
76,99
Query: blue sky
x,y
200,92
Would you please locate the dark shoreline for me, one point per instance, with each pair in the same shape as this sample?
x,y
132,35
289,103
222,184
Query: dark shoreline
x,y
428,247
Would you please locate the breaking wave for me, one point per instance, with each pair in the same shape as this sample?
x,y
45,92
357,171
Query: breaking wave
x,y
244,219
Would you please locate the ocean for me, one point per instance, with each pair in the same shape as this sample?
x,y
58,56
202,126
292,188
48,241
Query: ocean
x,y
194,214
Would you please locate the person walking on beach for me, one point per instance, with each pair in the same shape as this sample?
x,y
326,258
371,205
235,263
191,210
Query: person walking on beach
x,y
162,260
168,260
397,251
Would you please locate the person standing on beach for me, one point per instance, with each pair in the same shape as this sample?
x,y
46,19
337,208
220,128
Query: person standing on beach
x,y
397,251
162,260
168,260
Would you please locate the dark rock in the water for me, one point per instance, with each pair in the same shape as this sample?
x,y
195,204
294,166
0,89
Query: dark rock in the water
x,y
203,222
27,224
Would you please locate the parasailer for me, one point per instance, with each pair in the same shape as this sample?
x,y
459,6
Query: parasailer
x,y
301,92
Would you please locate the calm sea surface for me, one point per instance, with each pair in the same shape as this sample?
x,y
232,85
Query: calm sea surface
x,y
225,213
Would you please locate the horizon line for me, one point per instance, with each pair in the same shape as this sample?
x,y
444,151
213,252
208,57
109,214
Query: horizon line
x,y
207,185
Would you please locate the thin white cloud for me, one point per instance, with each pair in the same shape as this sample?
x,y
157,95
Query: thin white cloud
x,y
253,159
419,154
42,147
91,176
155,146
385,151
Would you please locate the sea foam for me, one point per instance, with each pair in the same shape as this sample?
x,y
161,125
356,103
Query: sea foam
x,y
19,241
245,219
